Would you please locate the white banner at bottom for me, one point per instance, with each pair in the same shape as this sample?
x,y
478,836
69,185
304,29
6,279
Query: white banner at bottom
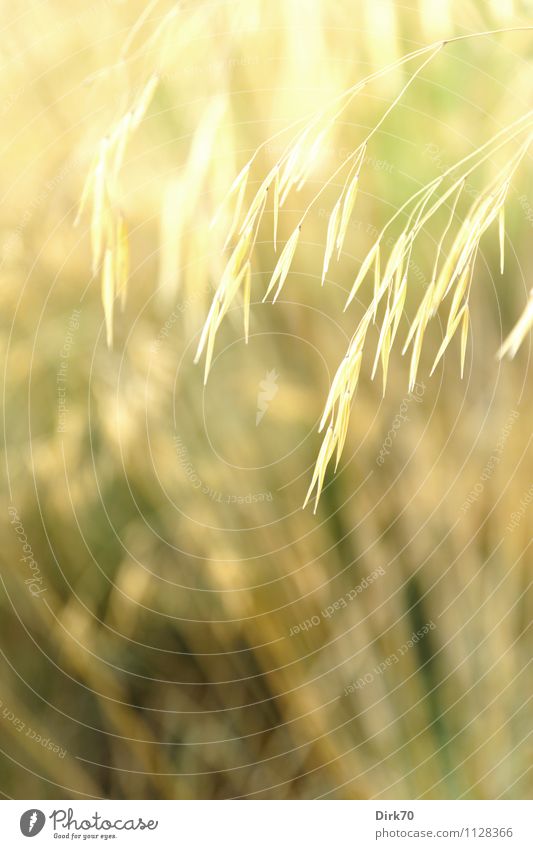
x,y
267,824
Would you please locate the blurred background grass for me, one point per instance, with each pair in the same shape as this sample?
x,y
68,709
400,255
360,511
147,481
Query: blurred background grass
x,y
162,656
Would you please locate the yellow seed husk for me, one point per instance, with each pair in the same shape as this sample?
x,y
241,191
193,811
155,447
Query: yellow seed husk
x,y
363,271
235,189
108,293
207,324
417,348
330,238
448,338
395,259
341,425
377,275
347,209
422,315
120,142
213,327
309,160
349,201
259,200
518,333
464,338
283,264
87,188
337,385
383,331
501,230
232,277
122,260
459,293
227,296
397,307
246,299
276,210
139,110
237,211
355,370
324,456
288,175
446,229
99,199
385,354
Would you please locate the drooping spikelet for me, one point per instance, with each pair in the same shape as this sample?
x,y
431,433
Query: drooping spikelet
x,y
519,331
348,203
501,233
330,238
371,256
109,240
283,264
450,276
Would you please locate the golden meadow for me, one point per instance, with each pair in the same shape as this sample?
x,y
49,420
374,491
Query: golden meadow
x,y
340,237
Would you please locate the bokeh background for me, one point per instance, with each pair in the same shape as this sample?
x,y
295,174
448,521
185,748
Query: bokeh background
x,y
180,628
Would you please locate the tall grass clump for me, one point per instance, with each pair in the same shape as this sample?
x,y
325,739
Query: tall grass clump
x,y
171,623
455,257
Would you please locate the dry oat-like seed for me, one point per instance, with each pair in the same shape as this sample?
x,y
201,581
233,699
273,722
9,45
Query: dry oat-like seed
x,y
518,333
330,239
283,264
501,231
139,110
349,202
450,332
108,293
326,450
276,210
372,255
246,299
464,338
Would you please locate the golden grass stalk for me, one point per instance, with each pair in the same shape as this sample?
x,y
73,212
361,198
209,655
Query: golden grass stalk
x,y
348,204
501,233
372,256
109,240
454,274
519,331
464,337
333,227
283,264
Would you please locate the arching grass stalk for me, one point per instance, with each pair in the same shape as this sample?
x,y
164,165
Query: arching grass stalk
x,y
450,277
